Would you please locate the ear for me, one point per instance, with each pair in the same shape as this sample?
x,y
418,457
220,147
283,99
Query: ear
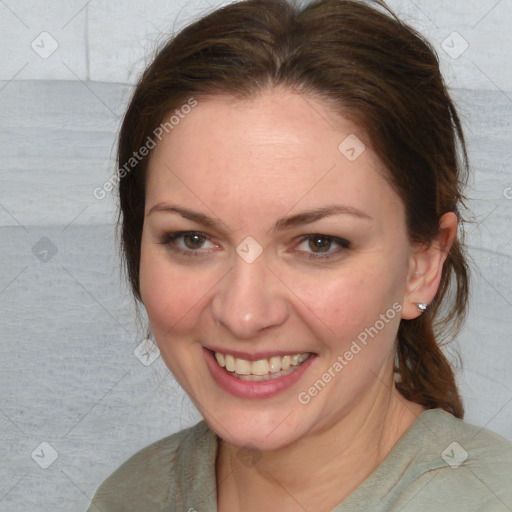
x,y
426,267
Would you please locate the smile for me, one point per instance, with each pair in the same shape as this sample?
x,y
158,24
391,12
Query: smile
x,y
262,369
257,378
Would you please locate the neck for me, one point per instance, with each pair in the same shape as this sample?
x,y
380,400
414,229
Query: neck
x,y
318,471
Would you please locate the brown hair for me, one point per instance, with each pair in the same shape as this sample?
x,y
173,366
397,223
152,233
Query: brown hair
x,y
369,67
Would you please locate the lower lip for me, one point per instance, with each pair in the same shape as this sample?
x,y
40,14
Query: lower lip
x,y
253,389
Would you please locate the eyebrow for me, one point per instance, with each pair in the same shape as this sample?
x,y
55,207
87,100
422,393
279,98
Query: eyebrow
x,y
306,217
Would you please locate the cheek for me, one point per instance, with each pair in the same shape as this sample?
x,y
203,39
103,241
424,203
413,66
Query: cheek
x,y
347,299
170,294
337,301
172,297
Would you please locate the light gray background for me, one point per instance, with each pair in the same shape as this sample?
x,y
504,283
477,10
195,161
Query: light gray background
x,y
68,373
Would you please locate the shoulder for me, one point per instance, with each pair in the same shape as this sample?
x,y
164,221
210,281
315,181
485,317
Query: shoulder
x,y
464,466
468,444
147,481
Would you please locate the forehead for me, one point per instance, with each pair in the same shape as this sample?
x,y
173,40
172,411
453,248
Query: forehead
x,y
266,155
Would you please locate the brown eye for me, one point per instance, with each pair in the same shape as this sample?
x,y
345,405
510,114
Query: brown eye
x,y
194,240
188,243
320,243
318,246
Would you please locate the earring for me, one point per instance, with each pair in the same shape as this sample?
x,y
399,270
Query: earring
x,y
421,306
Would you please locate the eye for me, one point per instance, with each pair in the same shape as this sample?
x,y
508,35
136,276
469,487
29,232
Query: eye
x,y
187,243
318,246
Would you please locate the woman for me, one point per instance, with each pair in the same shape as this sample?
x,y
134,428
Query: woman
x,y
289,194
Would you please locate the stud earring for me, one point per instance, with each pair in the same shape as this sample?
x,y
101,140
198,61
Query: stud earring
x,y
421,306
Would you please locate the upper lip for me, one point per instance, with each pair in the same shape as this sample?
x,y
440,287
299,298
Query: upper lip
x,y
255,356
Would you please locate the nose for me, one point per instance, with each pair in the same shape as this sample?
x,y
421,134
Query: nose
x,y
249,300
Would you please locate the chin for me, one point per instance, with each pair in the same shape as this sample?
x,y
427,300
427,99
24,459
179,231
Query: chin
x,y
264,430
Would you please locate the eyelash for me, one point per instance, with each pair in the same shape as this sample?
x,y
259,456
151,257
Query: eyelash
x,y
169,240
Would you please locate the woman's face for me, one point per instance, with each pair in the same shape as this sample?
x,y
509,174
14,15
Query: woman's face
x,y
294,244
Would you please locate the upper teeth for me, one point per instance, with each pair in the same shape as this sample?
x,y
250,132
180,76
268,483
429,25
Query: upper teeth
x,y
261,366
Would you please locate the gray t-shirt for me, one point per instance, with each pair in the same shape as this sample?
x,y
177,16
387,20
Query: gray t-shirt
x,y
440,464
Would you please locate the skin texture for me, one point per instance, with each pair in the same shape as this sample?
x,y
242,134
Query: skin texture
x,y
247,164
